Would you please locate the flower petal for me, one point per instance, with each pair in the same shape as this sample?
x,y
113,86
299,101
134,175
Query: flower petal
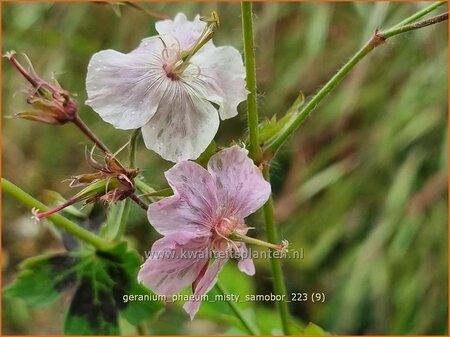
x,y
245,263
241,188
186,32
222,72
204,285
167,271
183,125
192,208
125,89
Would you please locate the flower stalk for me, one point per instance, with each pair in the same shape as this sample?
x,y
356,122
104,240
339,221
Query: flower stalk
x,y
416,25
250,67
420,14
126,204
255,153
78,122
277,272
235,236
57,219
237,311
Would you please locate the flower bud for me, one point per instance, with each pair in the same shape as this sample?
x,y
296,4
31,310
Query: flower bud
x,y
51,103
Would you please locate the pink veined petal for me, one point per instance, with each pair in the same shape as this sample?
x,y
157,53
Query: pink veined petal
x,y
245,263
186,32
193,206
222,74
126,89
204,285
167,271
183,125
241,188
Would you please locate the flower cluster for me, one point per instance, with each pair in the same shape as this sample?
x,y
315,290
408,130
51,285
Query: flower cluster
x,y
175,87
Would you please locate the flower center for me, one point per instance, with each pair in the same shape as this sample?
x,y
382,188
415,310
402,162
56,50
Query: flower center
x,y
226,226
176,61
172,61
170,73
223,229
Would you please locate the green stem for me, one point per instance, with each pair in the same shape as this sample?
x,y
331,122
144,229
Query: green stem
x,y
126,204
252,241
250,68
377,39
416,25
133,142
144,188
255,152
420,14
165,192
277,272
237,311
57,219
88,132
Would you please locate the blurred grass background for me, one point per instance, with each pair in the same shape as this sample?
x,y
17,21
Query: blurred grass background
x,y
362,186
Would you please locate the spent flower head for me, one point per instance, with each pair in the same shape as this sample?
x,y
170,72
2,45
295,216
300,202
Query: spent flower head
x,y
174,86
110,183
205,215
51,103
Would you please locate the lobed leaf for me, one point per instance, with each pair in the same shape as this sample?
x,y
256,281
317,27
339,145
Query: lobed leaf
x,y
102,280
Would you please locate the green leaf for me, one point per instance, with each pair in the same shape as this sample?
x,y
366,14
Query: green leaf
x,y
269,129
110,227
42,279
314,330
103,280
95,188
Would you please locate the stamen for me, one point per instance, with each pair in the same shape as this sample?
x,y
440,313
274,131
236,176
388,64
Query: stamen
x,y
205,36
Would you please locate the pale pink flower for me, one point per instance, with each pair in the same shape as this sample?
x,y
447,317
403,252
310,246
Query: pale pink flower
x,y
171,86
205,214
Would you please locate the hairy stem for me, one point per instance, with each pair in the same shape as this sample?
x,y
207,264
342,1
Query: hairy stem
x,y
255,153
377,39
57,219
88,132
126,204
416,25
139,202
420,14
237,311
252,107
277,272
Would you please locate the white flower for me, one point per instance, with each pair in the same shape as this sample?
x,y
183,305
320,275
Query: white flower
x,y
170,87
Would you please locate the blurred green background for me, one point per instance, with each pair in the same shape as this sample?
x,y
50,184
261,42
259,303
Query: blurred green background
x,y
362,186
